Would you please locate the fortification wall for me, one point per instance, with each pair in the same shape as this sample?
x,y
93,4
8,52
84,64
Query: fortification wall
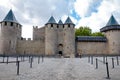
x,y
38,33
92,48
34,47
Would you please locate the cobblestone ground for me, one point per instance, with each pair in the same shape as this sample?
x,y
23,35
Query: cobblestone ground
x,y
59,69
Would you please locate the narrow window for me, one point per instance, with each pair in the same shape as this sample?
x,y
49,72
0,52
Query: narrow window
x,y
9,42
11,24
51,25
57,26
68,25
5,23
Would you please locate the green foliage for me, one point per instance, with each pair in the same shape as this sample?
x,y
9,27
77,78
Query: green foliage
x,y
83,31
86,31
97,34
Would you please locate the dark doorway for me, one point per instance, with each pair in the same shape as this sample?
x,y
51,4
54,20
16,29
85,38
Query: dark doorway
x,y
60,53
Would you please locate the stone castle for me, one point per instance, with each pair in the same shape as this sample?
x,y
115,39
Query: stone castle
x,y
57,39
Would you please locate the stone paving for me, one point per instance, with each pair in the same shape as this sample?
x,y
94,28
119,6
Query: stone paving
x,y
60,69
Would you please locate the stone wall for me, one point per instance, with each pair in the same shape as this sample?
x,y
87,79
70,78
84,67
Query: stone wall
x,y
39,33
91,48
33,47
113,37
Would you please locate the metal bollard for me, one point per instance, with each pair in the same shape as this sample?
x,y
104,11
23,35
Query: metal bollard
x,y
42,58
106,58
3,59
103,59
23,58
16,60
107,68
112,62
18,67
88,59
96,63
7,59
31,60
117,60
92,60
38,59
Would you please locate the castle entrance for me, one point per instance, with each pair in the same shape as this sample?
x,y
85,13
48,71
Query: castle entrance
x,y
60,53
60,49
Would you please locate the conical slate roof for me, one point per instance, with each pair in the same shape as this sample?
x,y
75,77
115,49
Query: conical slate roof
x,y
10,17
60,22
112,21
68,21
111,25
51,20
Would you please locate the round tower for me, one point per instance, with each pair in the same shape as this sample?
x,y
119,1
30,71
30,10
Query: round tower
x,y
10,32
51,37
69,38
112,32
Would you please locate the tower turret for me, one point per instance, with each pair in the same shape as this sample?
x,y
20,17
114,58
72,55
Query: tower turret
x,y
51,37
112,32
69,38
10,32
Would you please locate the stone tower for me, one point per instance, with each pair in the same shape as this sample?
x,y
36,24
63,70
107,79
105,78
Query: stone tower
x,y
60,38
60,32
112,32
51,37
69,38
10,32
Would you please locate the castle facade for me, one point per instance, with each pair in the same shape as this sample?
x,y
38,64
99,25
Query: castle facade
x,y
57,39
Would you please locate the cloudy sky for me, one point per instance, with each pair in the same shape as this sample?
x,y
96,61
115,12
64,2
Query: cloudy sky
x,y
92,13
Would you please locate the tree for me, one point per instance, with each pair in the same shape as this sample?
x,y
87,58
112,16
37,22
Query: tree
x,y
86,31
83,31
97,34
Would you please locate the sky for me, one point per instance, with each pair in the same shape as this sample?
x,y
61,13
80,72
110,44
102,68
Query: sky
x,y
92,13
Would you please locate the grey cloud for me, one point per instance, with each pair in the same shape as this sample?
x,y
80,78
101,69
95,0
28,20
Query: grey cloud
x,y
42,9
